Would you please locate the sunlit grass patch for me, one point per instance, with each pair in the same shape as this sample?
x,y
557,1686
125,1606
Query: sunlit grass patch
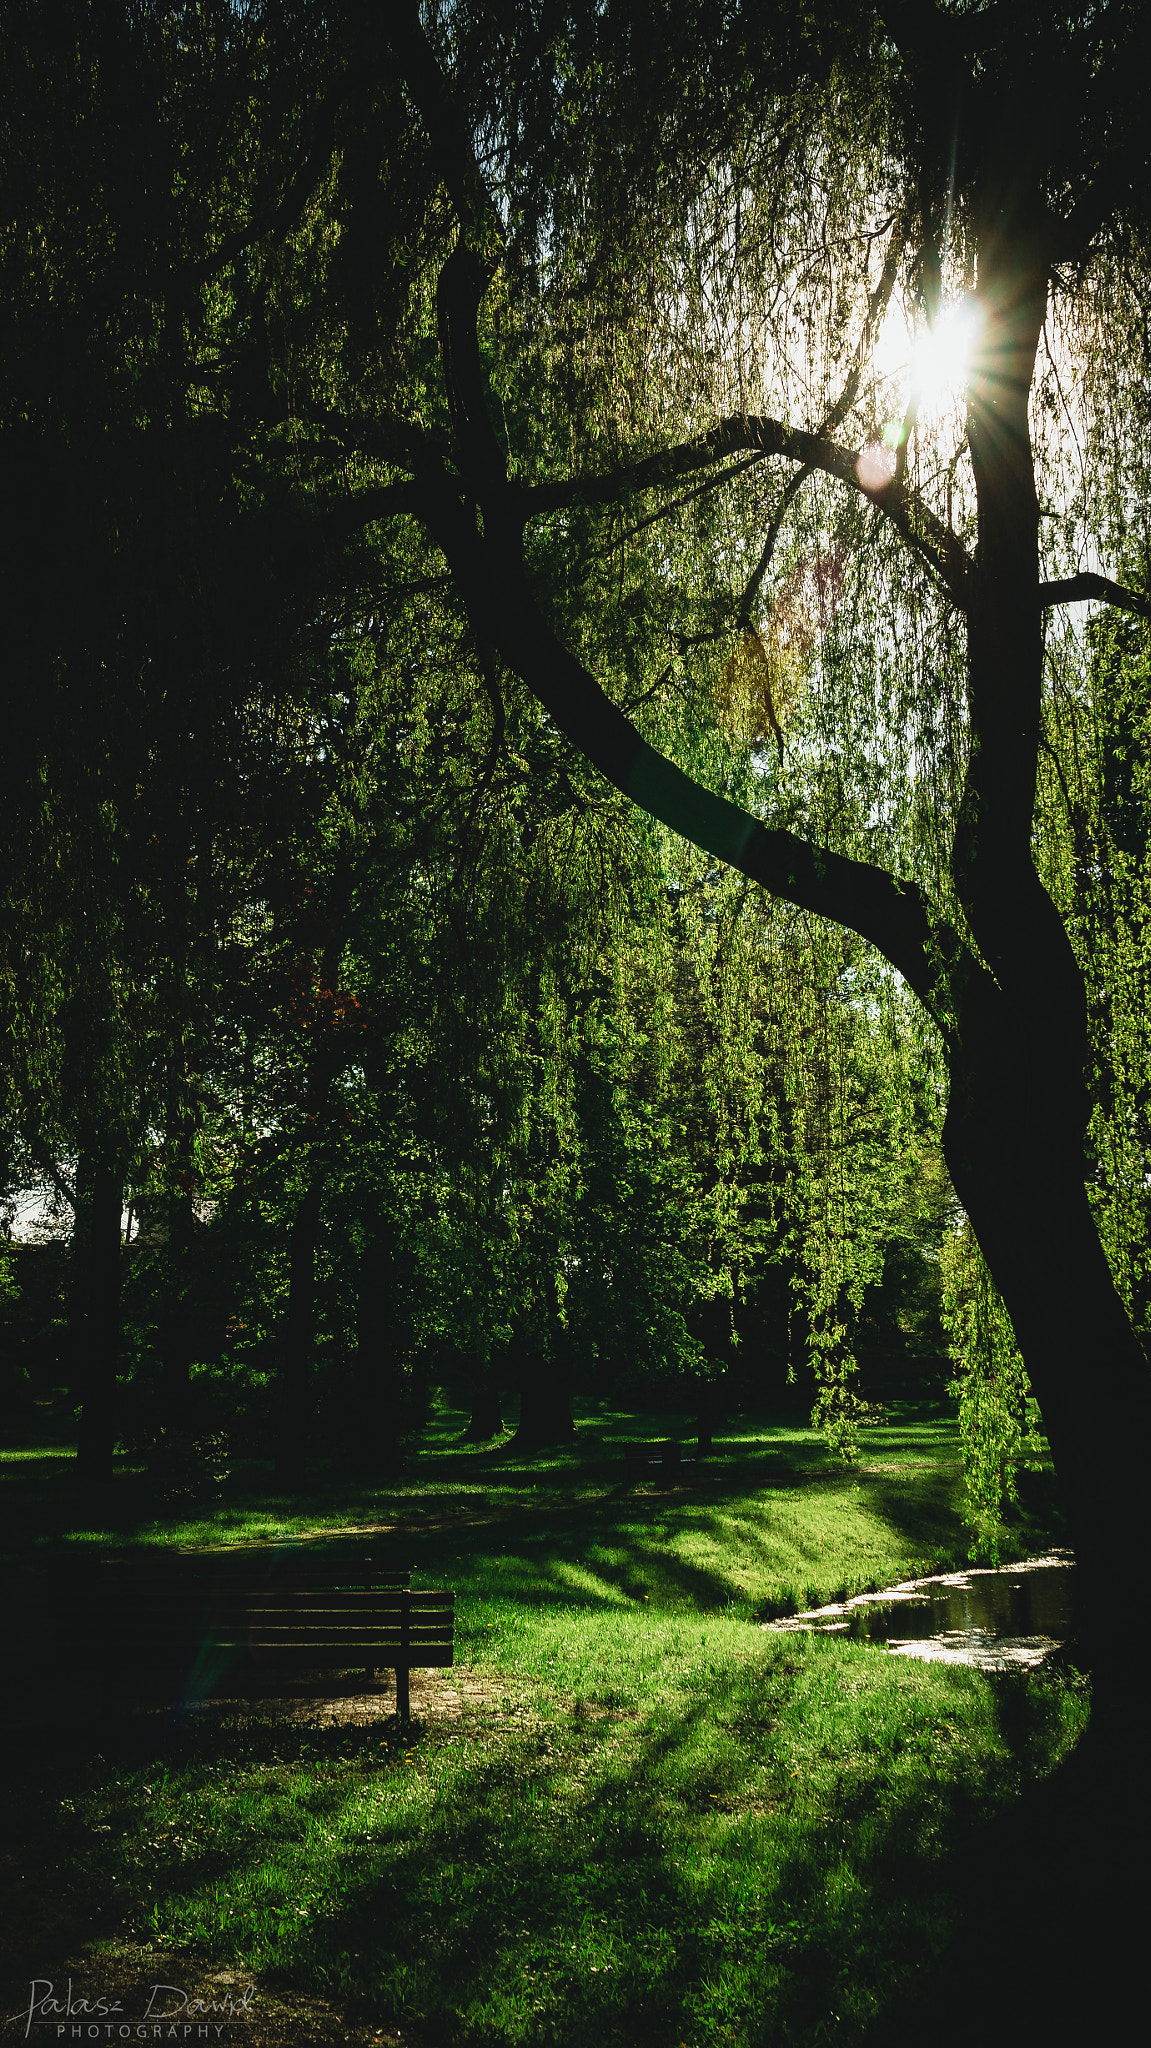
x,y
732,1828
647,1820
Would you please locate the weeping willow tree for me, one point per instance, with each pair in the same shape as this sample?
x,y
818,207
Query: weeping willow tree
x,y
800,313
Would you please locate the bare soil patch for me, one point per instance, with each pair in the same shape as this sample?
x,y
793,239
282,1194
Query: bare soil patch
x,y
436,1696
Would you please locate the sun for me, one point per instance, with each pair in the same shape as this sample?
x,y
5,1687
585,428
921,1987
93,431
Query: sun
x,y
933,363
932,369
941,354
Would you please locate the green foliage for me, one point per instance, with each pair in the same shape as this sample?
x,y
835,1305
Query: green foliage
x,y
1095,813
996,1421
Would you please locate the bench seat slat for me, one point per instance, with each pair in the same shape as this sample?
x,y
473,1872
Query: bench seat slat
x,y
177,1641
132,1672
209,1588
151,1639
139,1629
263,1605
309,1655
245,1630
413,1603
432,1617
126,1597
383,1649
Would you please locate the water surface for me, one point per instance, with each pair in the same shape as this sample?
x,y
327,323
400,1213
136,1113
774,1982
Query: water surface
x,y
994,1618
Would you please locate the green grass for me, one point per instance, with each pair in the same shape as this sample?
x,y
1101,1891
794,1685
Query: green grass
x,y
771,1519
652,1821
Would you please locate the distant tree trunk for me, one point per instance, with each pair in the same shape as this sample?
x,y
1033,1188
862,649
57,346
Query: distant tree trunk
x,y
176,1333
374,1419
96,1313
545,1382
712,1323
545,1406
296,1353
486,1418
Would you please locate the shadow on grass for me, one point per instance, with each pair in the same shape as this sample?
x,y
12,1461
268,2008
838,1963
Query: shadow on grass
x,y
918,1510
683,1889
39,1483
1048,1944
730,1545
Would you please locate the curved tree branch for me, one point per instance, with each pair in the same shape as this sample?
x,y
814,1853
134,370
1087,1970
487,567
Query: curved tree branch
x,y
893,915
1072,589
345,516
488,569
919,526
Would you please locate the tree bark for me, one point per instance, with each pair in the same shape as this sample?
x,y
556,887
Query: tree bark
x,y
545,1407
96,1313
711,1412
296,1354
712,1323
176,1330
1018,1170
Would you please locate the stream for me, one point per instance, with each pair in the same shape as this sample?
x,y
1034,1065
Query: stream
x,y
1011,1616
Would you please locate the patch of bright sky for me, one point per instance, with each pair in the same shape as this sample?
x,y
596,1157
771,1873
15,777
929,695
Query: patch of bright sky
x,y
938,360
935,358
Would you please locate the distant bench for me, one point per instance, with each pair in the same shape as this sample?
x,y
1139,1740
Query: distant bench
x,y
187,1626
641,1458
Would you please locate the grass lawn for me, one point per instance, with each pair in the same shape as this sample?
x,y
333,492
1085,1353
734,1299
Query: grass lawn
x,y
637,1816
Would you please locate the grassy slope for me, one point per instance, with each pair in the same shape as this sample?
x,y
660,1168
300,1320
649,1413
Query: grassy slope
x,y
653,1821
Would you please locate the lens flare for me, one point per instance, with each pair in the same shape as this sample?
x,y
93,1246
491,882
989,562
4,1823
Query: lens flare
x,y
875,466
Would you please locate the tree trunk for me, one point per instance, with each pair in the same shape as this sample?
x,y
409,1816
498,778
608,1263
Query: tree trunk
x,y
712,1323
1018,1106
486,1419
545,1407
1020,1178
545,1385
711,1411
96,1314
176,1333
374,1426
296,1355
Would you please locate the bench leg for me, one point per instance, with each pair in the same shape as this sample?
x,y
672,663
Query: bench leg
x,y
403,1696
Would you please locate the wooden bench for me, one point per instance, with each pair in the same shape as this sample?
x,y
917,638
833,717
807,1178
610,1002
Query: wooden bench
x,y
641,1459
187,1626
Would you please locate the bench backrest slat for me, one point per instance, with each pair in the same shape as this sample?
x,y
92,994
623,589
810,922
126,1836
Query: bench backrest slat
x,y
142,1621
